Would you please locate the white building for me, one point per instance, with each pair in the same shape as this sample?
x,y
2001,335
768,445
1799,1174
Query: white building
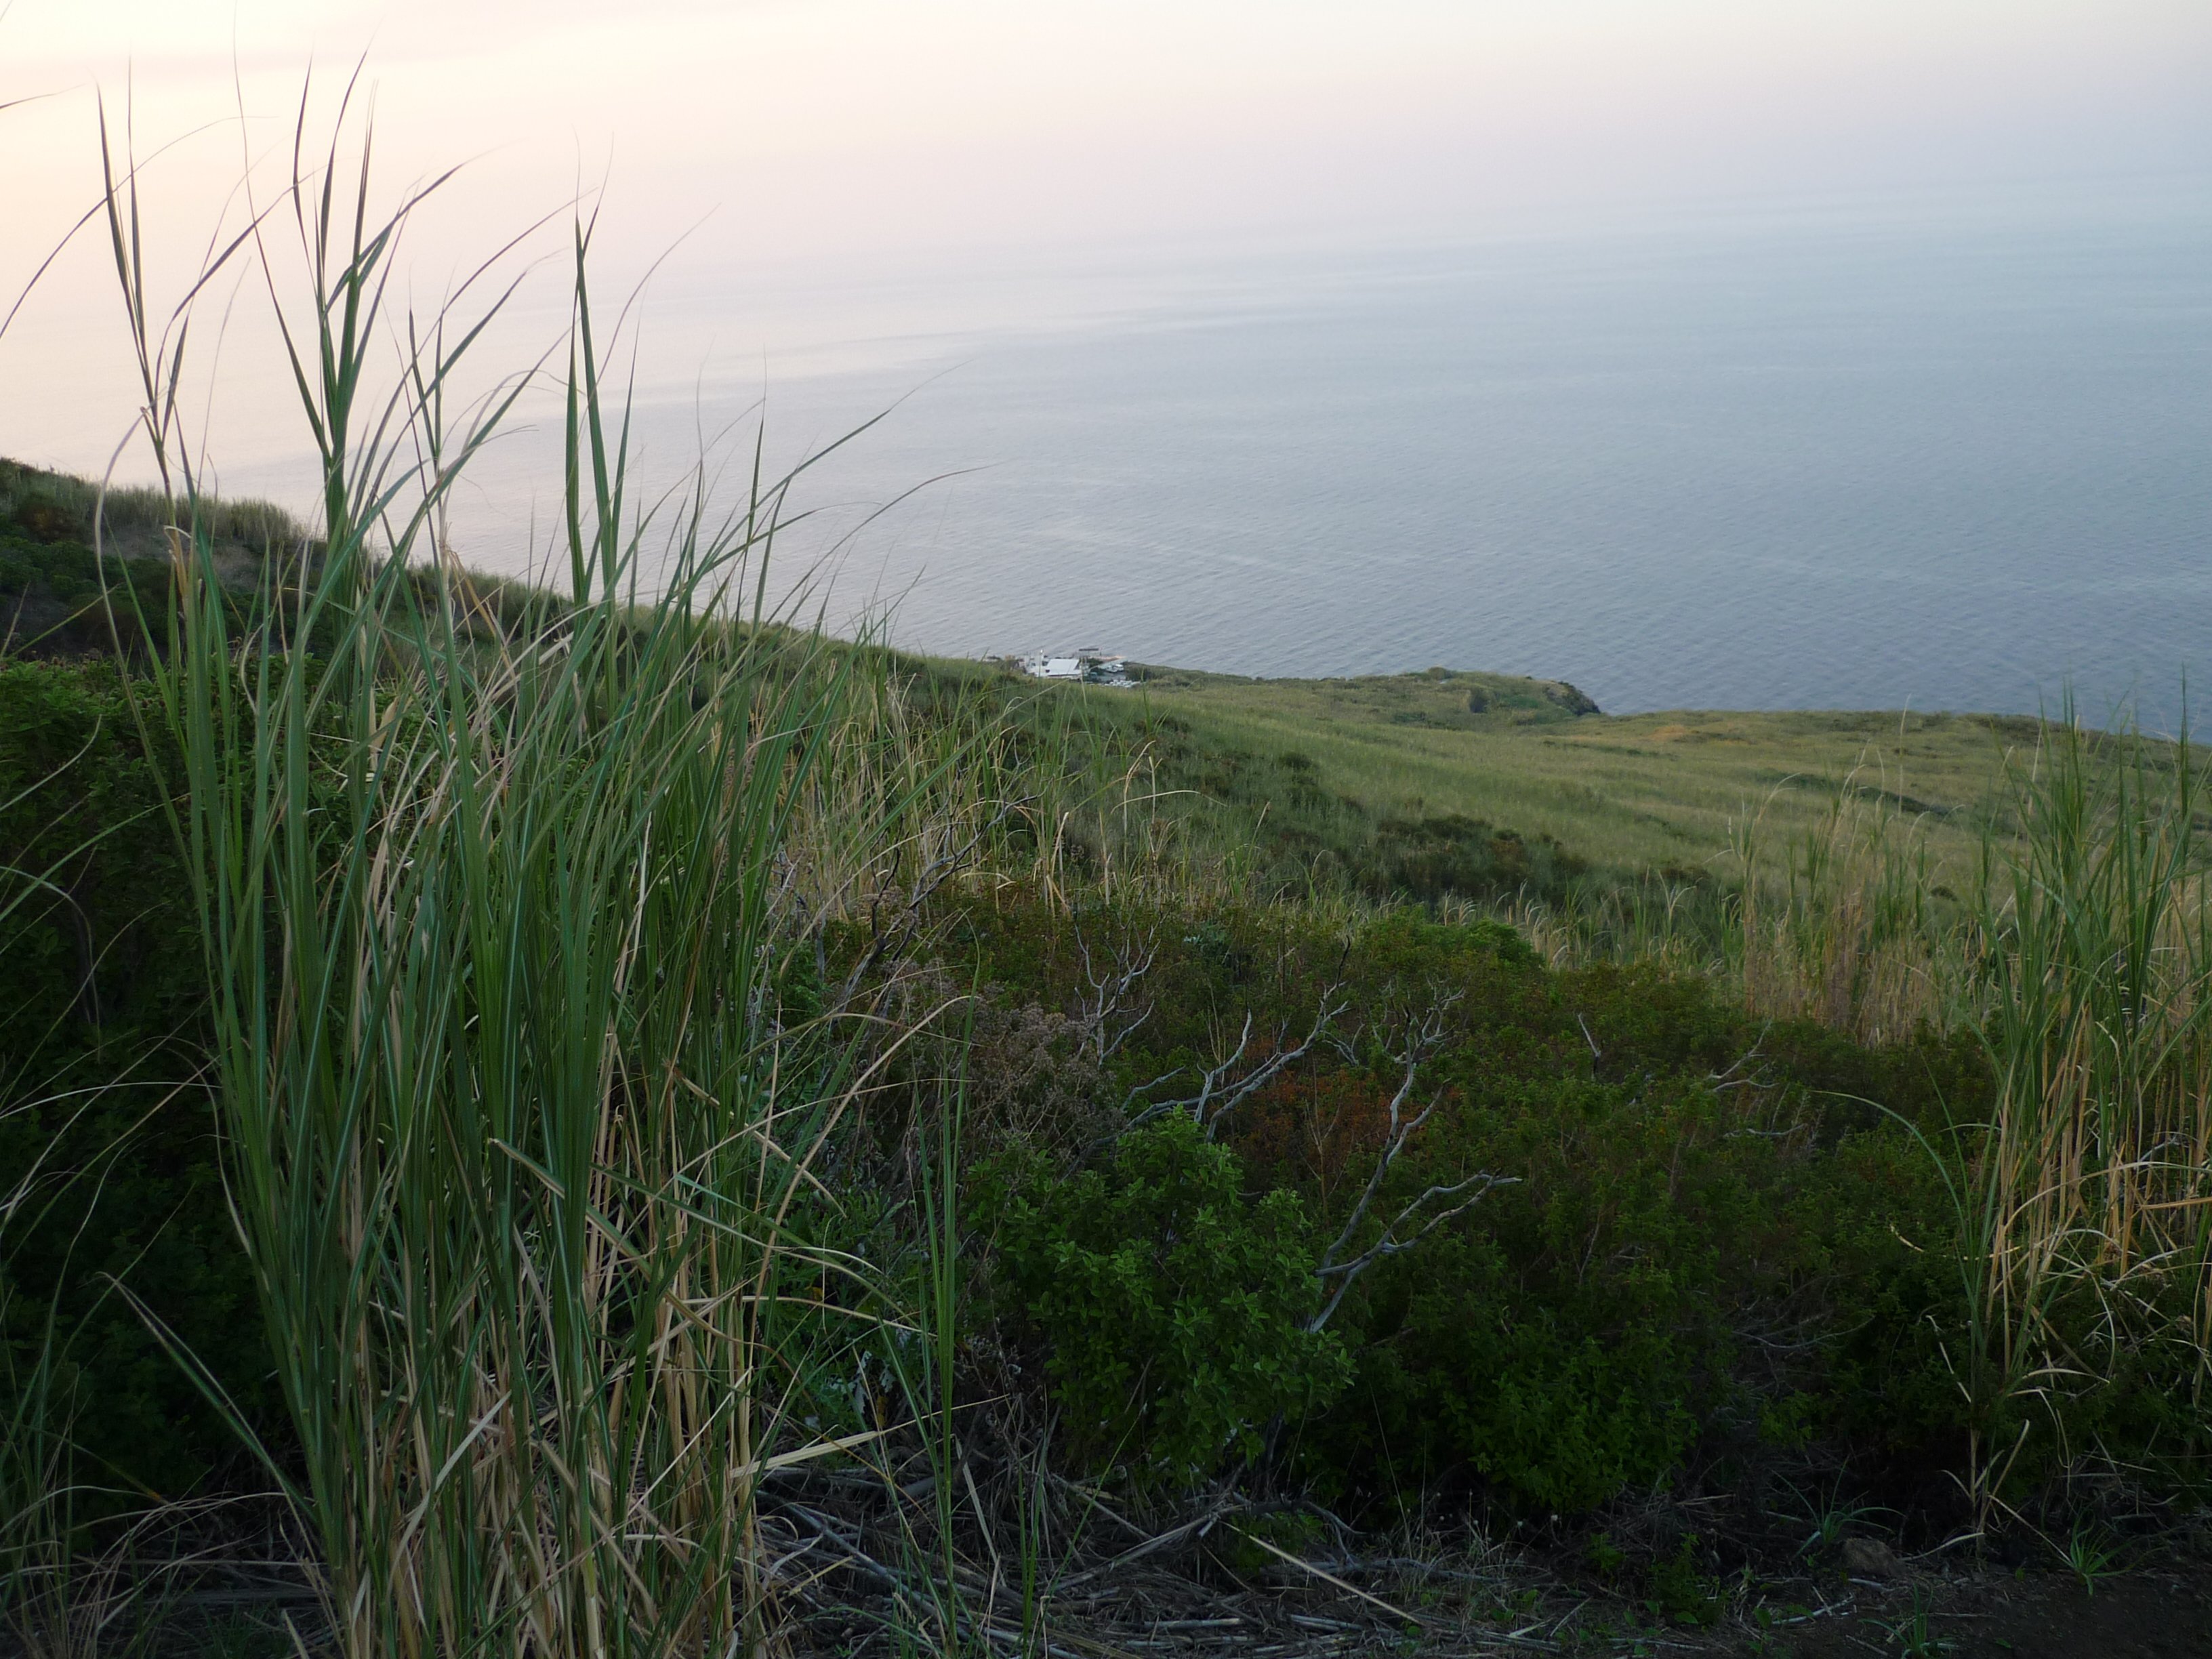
x,y
1099,667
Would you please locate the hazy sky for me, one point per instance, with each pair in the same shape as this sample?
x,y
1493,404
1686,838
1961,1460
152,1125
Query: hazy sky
x,y
868,135
813,125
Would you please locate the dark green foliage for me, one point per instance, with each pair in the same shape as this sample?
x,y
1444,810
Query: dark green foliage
x,y
1646,1291
1453,856
100,942
51,594
1699,1258
1174,1305
131,1193
1567,1342
1716,1257
52,583
1681,1590
100,1046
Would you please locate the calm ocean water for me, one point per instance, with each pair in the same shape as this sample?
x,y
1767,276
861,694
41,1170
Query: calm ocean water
x,y
1851,459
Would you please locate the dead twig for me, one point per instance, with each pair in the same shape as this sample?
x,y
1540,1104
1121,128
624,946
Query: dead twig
x,y
1420,1043
1331,1578
1107,1000
1219,1094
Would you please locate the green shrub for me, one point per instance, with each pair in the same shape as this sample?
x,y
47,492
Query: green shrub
x,y
1683,1273
1562,1340
131,1194
1173,1307
50,597
1453,856
1718,1253
102,1040
1680,1591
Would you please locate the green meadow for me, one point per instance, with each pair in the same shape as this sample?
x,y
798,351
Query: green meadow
x,y
1641,792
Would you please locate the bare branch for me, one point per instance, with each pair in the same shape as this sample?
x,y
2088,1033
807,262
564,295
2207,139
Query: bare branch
x,y
1107,1000
1220,1092
1597,1058
1739,1074
1390,1244
1423,1036
888,936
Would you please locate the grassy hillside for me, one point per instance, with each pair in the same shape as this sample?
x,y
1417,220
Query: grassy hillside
x,y
1817,860
1644,791
1304,767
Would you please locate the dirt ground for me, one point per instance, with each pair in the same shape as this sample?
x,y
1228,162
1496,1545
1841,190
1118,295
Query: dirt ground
x,y
2160,1608
2145,1614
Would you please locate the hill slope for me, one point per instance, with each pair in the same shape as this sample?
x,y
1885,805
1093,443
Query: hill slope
x,y
1483,786
1638,791
1435,783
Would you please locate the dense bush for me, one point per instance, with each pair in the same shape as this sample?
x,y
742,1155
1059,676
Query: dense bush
x,y
98,939
107,1132
1663,1281
1175,1306
131,1199
1713,1253
51,592
1451,855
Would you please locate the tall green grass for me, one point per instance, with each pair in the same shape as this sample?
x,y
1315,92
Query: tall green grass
x,y
1846,919
2079,950
501,912
2088,1203
1845,923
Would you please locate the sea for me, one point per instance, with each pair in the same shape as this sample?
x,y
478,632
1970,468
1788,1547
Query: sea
x,y
1940,453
